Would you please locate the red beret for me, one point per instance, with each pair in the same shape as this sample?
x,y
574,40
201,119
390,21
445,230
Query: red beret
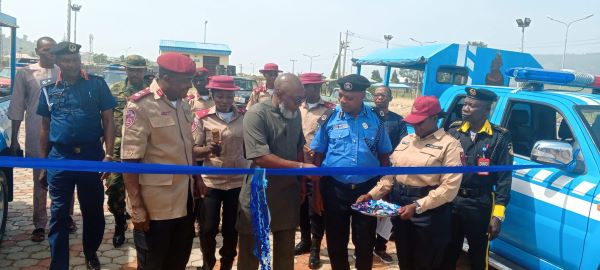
x,y
201,71
177,62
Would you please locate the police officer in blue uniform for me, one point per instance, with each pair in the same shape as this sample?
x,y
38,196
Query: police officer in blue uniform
x,y
351,135
77,111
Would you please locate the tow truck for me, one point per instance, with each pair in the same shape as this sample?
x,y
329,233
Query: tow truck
x,y
553,218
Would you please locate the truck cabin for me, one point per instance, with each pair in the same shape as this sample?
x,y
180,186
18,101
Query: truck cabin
x,y
440,66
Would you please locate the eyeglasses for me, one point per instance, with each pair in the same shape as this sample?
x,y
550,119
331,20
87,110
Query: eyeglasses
x,y
271,74
380,95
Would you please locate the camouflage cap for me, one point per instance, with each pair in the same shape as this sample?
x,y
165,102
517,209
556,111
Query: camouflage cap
x,y
135,61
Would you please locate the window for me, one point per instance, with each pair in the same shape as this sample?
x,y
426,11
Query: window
x,y
590,116
452,75
454,112
531,122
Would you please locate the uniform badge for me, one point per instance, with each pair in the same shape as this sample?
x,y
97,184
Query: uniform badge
x,y
365,126
323,117
72,48
347,86
129,118
510,149
472,92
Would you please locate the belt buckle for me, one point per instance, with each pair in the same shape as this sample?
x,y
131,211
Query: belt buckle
x,y
77,150
352,186
463,192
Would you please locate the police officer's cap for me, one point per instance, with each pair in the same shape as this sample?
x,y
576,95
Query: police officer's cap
x,y
481,94
65,47
135,61
354,83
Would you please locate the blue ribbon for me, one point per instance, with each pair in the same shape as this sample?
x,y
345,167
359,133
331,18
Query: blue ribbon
x,y
148,168
261,219
258,199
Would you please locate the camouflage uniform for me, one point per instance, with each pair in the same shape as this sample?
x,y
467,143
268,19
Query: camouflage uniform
x,y
115,188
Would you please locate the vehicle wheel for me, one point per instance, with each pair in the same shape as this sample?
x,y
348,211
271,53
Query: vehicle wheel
x,y
3,205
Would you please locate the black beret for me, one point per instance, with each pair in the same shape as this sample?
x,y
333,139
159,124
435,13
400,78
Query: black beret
x,y
481,94
354,83
65,47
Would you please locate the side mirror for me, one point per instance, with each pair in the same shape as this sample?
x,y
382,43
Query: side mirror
x,y
557,153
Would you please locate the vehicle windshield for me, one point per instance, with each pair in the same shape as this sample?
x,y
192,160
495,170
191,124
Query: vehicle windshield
x,y
5,73
590,116
112,77
245,85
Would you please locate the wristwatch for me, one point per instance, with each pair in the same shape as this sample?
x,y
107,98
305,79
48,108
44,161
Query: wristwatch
x,y
419,209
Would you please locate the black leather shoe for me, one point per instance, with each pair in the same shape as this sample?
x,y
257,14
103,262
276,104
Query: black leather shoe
x,y
226,265
302,248
92,262
314,260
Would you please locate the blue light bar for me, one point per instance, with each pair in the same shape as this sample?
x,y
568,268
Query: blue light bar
x,y
558,77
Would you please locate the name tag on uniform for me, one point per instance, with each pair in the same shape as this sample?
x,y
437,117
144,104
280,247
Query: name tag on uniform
x,y
483,162
434,146
341,126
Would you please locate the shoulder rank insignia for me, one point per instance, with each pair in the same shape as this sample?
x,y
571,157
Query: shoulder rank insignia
x,y
456,124
378,112
202,113
325,116
329,105
501,129
140,94
259,89
242,110
46,82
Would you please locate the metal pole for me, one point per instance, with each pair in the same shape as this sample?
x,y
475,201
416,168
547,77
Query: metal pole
x,y
205,23
75,29
345,53
339,67
69,21
293,65
567,25
13,57
522,37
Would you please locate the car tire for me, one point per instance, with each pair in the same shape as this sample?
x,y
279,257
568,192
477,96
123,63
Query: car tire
x,y
3,205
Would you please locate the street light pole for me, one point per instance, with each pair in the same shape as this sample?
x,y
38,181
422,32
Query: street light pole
x,y
205,23
523,23
311,59
76,8
567,26
352,56
69,21
293,65
387,40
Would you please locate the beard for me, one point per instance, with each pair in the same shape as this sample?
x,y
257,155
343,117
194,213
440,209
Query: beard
x,y
287,114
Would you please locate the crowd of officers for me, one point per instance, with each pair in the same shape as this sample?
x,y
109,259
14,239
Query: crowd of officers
x,y
184,117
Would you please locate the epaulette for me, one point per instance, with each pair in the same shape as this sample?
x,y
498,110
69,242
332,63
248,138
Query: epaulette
x,y
456,124
325,116
378,112
242,110
259,89
499,128
329,105
47,82
201,113
140,94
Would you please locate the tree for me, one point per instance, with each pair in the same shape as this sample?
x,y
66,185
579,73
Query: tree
x,y
395,77
477,44
100,58
376,76
122,58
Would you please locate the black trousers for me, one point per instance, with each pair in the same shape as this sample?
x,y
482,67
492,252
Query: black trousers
x,y
310,222
421,242
210,216
337,199
167,245
380,243
470,219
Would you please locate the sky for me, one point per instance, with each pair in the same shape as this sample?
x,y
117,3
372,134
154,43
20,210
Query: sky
x,y
279,31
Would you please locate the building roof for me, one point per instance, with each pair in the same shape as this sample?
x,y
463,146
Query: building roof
x,y
194,47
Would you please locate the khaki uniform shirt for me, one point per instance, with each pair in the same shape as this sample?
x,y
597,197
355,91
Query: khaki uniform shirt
x,y
266,131
197,103
231,137
259,94
155,131
437,149
310,118
24,102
